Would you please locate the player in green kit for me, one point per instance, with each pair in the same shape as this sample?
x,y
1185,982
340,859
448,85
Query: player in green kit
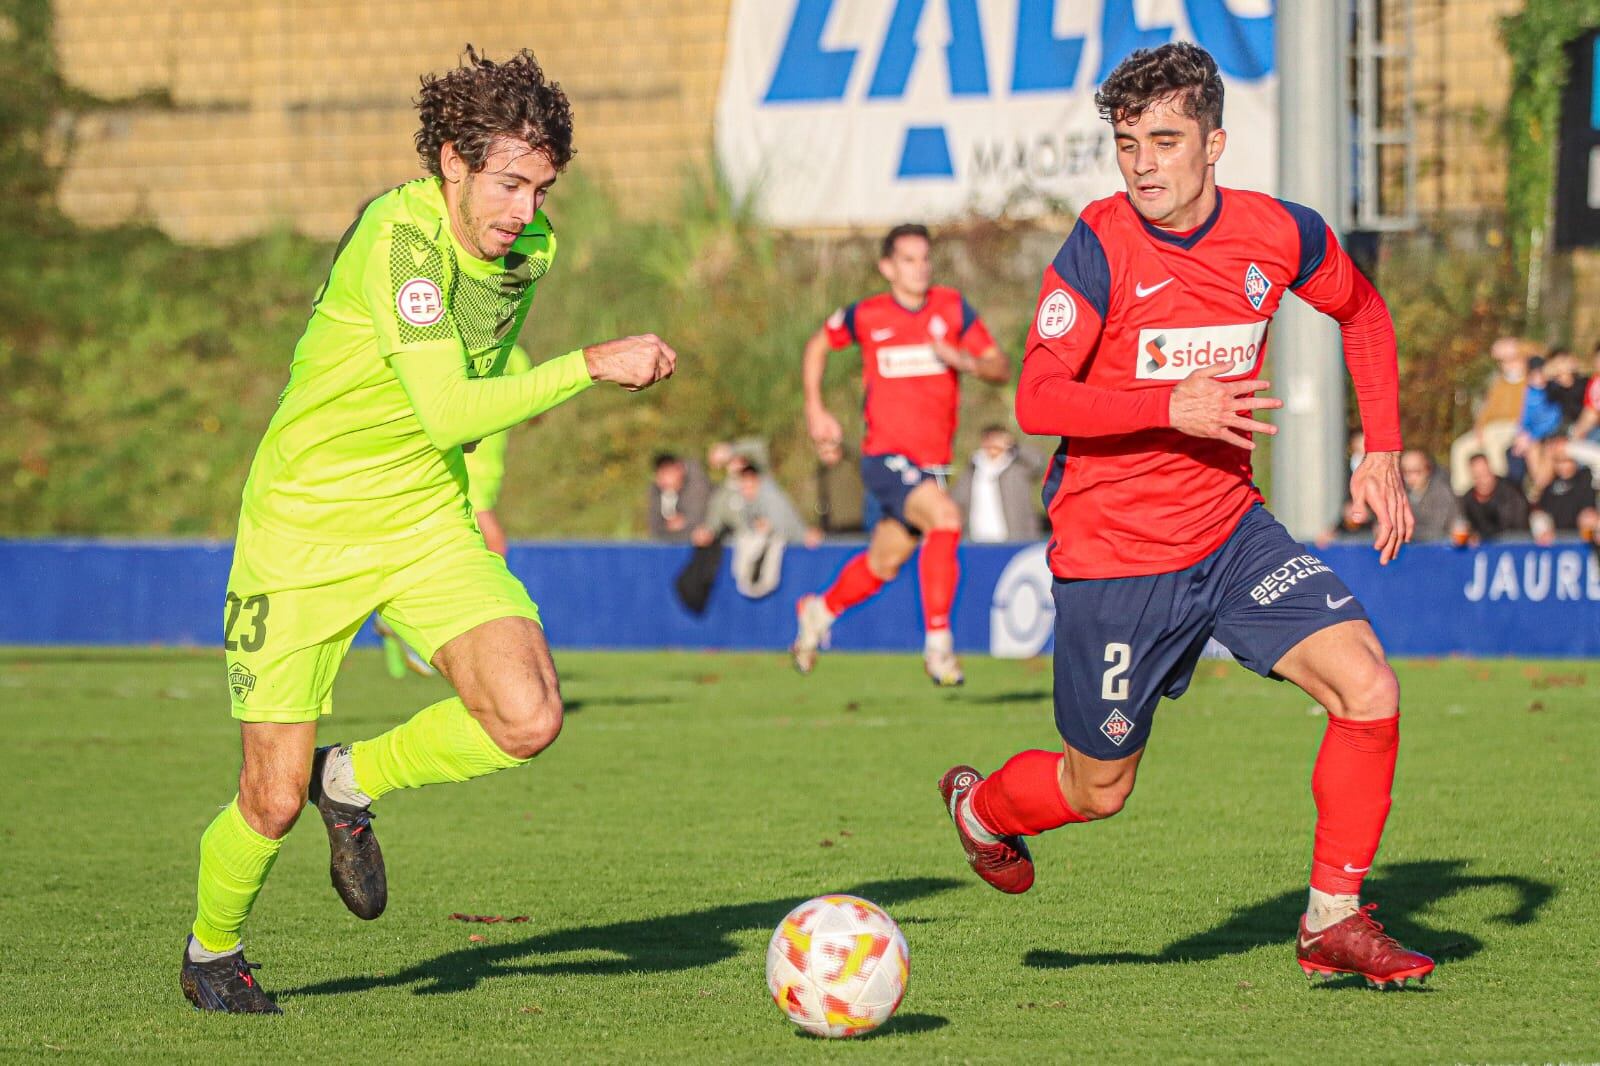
x,y
486,472
356,503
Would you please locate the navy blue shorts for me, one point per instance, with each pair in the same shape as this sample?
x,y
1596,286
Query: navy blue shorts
x,y
1122,643
889,479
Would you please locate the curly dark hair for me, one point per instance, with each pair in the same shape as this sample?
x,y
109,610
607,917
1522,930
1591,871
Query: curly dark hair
x,y
481,100
1152,74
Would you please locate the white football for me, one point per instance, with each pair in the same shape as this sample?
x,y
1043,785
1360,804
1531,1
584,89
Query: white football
x,y
838,966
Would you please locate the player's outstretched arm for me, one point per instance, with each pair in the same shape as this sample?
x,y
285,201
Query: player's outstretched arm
x,y
454,408
1337,289
1203,406
820,423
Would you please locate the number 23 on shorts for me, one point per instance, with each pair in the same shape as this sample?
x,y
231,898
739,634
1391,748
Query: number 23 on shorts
x,y
253,610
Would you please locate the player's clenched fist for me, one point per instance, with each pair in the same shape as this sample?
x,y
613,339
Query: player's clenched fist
x,y
633,362
1203,406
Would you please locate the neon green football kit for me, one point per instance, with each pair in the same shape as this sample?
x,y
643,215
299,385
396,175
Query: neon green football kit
x,y
357,502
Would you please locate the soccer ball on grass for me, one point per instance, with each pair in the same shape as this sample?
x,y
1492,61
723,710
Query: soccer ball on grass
x,y
837,966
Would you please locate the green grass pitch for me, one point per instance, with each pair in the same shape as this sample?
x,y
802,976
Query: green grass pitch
x,y
694,798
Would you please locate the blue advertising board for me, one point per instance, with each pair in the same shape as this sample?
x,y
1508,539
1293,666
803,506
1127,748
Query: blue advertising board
x,y
1502,600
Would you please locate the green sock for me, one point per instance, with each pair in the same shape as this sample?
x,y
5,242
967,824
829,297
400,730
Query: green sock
x,y
440,743
234,860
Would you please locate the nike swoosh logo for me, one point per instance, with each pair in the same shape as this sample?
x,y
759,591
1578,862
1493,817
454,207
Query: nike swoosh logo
x,y
882,334
1334,605
1355,869
1306,942
1141,292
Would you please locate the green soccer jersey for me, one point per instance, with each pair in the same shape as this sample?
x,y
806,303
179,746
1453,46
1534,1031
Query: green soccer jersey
x,y
486,463
359,450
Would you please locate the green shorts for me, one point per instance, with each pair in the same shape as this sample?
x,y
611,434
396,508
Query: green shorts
x,y
294,606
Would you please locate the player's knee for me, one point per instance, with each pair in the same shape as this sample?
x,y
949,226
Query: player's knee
x,y
272,804
883,568
1102,802
527,722
1368,692
945,517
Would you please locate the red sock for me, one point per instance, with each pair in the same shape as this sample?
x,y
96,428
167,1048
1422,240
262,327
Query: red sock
x,y
939,570
1023,797
1355,768
854,584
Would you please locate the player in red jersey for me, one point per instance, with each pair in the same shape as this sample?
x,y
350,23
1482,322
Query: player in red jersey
x,y
916,341
1143,357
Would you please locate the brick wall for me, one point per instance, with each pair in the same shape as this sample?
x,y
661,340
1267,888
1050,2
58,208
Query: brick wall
x,y
1462,80
233,115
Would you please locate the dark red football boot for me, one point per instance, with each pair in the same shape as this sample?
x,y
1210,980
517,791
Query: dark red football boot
x,y
1005,863
1359,945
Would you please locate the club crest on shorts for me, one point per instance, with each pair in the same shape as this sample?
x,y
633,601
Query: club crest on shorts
x,y
241,682
1256,286
1116,728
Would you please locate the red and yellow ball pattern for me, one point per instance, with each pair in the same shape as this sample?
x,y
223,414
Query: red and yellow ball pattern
x,y
838,966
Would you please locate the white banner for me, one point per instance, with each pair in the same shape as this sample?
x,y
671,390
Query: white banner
x,y
870,112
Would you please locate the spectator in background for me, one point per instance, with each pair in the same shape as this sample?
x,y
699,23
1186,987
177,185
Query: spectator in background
x,y
999,495
1498,415
841,497
726,458
1565,385
1526,459
1346,525
679,496
1583,442
1432,502
1355,448
761,521
1493,506
1567,504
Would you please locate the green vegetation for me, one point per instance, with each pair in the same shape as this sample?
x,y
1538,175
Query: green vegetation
x,y
141,373
1536,38
693,798
1449,304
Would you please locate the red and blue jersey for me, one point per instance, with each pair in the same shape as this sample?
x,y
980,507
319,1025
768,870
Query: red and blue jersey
x,y
911,395
1128,310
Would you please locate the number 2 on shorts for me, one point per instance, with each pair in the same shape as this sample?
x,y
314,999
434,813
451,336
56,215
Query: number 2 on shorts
x,y
1113,685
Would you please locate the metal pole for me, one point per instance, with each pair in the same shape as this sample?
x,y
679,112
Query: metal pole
x,y
1309,472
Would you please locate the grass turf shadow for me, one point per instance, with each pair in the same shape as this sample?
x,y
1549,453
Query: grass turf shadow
x,y
650,945
899,1025
1405,889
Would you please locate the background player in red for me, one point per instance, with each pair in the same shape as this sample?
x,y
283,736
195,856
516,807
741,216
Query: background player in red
x,y
1143,357
916,341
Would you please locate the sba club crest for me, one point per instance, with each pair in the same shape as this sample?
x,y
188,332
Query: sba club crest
x,y
241,682
1116,728
1256,286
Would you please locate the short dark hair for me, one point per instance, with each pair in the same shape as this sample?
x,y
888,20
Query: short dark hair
x,y
1475,456
749,469
905,229
665,459
1149,75
481,100
993,427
